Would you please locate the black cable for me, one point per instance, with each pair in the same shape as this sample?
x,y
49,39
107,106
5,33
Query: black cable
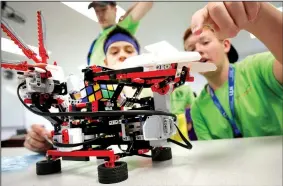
x,y
105,114
189,145
95,114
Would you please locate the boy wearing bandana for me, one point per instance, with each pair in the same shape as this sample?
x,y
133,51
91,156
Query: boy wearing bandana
x,y
106,14
120,45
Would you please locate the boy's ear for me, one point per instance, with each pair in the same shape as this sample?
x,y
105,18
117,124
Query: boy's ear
x,y
227,45
105,62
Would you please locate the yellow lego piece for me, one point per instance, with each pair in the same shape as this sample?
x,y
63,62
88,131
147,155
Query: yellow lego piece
x,y
183,127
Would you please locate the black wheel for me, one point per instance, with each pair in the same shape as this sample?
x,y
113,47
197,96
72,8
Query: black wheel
x,y
108,175
45,167
161,154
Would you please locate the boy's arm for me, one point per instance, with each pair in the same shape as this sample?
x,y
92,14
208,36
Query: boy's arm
x,y
139,10
268,29
259,18
200,127
134,14
260,68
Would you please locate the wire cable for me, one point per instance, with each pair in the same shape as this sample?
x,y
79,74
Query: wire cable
x,y
101,114
94,114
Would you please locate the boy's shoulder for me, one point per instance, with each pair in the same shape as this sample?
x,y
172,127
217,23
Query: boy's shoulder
x,y
254,61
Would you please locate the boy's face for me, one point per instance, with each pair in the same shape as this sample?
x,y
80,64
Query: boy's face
x,y
106,15
210,48
118,52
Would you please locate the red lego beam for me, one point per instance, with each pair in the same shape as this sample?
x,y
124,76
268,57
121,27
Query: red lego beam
x,y
86,153
42,51
27,51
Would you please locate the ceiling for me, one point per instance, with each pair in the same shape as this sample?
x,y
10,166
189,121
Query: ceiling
x,y
69,34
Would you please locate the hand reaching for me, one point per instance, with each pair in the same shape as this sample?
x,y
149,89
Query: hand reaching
x,y
35,140
225,18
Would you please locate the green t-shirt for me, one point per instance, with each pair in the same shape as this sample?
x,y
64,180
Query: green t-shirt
x,y
97,55
181,98
258,102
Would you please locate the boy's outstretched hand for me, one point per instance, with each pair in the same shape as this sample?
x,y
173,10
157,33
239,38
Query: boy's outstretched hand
x,y
35,139
225,18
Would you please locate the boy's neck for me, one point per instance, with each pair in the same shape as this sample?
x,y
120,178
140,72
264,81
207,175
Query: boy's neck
x,y
217,80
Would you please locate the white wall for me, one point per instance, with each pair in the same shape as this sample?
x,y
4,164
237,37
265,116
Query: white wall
x,y
12,111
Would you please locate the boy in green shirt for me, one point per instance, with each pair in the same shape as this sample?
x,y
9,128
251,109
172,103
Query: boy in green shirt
x,y
181,101
118,46
243,99
106,14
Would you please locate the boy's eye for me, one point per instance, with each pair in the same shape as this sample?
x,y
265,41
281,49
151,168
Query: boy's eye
x,y
190,49
114,51
129,49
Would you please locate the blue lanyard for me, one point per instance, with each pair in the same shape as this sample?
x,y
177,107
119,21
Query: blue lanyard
x,y
236,131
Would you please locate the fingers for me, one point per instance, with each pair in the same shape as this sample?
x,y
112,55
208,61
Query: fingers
x,y
39,129
34,143
198,20
35,140
238,13
252,9
28,146
36,137
36,146
223,20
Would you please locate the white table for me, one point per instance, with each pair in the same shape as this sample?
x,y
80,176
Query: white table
x,y
240,162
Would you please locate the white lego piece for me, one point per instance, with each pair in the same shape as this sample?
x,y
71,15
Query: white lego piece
x,y
158,143
158,128
57,72
152,59
159,61
74,84
75,136
40,70
198,66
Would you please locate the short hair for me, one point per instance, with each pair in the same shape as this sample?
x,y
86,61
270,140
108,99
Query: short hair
x,y
187,34
232,54
121,30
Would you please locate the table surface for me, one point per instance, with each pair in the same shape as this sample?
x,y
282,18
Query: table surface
x,y
243,162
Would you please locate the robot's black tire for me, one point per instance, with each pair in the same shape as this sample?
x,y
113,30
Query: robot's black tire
x,y
45,167
109,175
161,154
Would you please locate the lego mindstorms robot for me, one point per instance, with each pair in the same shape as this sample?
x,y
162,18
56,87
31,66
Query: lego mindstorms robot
x,y
91,120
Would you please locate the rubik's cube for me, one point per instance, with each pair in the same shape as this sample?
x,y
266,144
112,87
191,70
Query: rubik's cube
x,y
96,92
